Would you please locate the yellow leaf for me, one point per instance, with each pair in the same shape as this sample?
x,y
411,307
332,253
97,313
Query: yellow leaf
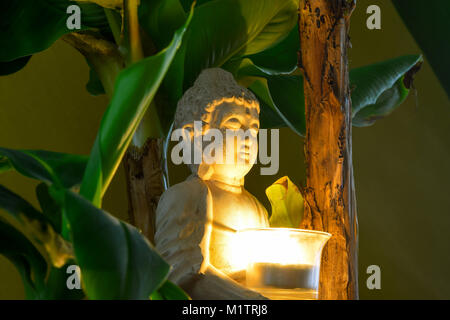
x,y
287,204
55,250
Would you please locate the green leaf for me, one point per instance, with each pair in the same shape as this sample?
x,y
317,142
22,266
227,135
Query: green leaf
x,y
50,208
134,90
32,267
236,28
429,23
281,58
160,19
116,261
93,17
269,116
56,285
281,97
169,291
51,167
27,27
31,26
13,66
377,90
25,257
379,86
15,206
4,164
287,204
291,107
156,296
172,90
111,4
188,3
384,105
38,229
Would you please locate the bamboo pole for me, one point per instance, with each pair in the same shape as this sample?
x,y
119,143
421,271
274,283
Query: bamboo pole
x,y
330,203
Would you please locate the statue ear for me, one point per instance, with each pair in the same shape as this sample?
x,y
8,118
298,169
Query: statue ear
x,y
189,127
205,171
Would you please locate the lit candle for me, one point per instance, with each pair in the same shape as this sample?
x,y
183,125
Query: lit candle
x,y
281,263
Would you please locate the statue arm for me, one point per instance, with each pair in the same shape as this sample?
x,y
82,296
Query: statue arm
x,y
183,231
215,285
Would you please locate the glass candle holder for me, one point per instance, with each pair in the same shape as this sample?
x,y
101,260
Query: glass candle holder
x,y
281,263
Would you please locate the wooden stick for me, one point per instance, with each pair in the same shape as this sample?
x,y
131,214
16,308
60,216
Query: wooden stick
x,y
330,203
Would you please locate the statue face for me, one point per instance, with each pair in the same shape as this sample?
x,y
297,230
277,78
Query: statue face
x,y
240,153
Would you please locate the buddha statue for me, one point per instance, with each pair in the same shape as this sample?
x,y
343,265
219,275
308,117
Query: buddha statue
x,y
197,218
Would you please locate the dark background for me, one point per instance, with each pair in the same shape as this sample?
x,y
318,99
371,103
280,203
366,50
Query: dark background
x,y
402,163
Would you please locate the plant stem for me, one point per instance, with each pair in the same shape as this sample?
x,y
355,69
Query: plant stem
x,y
144,171
142,160
102,55
114,24
135,45
330,202
107,72
144,184
149,127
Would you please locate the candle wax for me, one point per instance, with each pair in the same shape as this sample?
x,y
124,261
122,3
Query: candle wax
x,y
278,281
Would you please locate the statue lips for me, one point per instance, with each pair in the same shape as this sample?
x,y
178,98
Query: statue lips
x,y
244,153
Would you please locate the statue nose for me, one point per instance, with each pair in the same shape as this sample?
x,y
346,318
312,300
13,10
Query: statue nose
x,y
248,141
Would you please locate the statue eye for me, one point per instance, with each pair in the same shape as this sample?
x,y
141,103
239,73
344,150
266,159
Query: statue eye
x,y
233,123
255,126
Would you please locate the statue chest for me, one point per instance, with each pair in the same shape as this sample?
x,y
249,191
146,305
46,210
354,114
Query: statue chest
x,y
231,211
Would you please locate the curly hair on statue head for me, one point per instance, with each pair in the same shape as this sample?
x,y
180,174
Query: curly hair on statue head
x,y
213,87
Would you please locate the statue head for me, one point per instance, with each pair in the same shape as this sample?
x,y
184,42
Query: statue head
x,y
220,103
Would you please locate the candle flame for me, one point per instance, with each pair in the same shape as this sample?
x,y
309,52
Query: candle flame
x,y
277,245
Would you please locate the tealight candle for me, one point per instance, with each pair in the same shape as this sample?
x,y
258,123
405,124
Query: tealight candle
x,y
281,263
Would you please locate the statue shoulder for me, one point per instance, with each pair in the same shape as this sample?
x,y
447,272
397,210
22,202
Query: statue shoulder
x,y
185,201
190,189
261,209
183,225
